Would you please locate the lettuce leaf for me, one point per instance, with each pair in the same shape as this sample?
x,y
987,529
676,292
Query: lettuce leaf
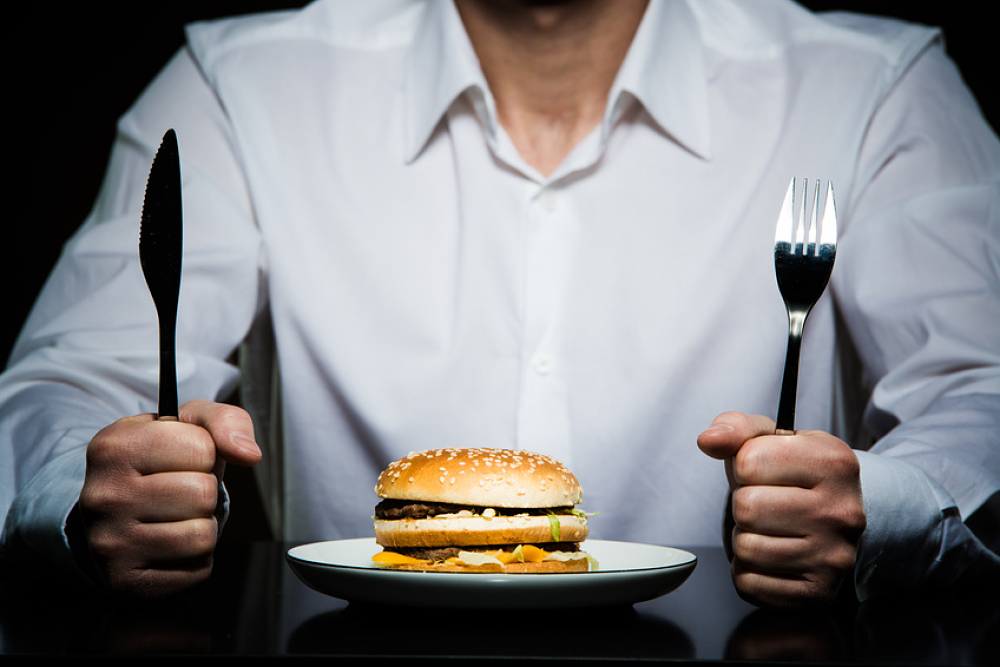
x,y
554,525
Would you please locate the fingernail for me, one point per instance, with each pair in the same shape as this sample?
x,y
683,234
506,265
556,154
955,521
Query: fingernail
x,y
719,428
244,443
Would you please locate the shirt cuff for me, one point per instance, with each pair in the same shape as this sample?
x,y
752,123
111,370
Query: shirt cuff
x,y
915,537
35,532
43,530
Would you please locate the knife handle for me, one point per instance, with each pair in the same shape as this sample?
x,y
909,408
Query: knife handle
x,y
168,377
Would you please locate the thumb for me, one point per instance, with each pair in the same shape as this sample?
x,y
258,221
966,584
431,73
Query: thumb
x,y
230,427
730,430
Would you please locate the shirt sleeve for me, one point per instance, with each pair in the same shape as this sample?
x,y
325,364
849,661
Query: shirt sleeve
x,y
88,353
918,283
922,543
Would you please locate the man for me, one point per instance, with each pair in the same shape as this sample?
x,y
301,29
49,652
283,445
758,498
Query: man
x,y
543,225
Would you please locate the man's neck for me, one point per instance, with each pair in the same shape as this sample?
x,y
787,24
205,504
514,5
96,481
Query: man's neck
x,y
550,65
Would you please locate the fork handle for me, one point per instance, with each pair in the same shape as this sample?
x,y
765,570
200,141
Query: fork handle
x,y
790,379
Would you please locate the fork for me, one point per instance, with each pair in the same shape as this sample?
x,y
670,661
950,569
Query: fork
x,y
803,269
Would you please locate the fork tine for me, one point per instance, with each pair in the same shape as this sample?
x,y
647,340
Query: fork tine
x,y
786,218
800,233
813,221
828,234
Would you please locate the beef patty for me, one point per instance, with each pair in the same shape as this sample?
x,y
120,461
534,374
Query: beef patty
x,y
391,509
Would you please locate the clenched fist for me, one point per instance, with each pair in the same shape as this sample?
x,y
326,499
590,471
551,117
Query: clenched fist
x,y
796,506
150,494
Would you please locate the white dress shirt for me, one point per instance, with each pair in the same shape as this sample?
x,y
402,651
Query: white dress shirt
x,y
346,181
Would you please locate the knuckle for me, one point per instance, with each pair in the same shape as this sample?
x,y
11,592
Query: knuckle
x,y
748,463
211,414
745,506
841,559
746,547
119,448
197,492
104,497
228,419
752,587
841,462
198,451
205,493
201,536
227,412
856,521
109,543
105,448
847,518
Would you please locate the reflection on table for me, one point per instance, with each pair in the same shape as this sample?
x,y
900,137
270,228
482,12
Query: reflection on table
x,y
254,605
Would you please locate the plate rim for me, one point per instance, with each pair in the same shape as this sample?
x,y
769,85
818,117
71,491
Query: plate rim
x,y
689,560
369,584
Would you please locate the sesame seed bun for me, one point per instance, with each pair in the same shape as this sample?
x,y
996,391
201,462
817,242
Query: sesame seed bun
x,y
460,510
483,477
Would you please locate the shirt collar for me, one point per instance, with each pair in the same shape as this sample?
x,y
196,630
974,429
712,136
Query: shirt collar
x,y
664,70
442,66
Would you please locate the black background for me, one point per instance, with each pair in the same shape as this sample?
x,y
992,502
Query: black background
x,y
71,68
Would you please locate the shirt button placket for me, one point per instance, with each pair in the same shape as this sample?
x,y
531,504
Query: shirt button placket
x,y
548,199
542,418
542,365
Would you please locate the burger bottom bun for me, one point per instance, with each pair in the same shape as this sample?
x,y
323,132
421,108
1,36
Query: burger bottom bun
x,y
477,531
544,567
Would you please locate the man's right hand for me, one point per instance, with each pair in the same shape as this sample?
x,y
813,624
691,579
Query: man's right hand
x,y
150,494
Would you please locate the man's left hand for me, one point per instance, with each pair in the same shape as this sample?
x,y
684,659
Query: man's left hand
x,y
797,509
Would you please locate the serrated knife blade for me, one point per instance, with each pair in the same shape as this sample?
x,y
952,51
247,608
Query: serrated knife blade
x,y
160,253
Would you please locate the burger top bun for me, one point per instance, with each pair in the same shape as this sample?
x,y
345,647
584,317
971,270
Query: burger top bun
x,y
480,477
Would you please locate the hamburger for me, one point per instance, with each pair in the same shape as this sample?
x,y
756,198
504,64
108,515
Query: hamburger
x,y
480,510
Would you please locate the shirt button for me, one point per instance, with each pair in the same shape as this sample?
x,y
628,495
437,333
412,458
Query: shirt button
x,y
542,365
548,199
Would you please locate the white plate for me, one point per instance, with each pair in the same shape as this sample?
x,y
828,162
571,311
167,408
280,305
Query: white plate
x,y
628,573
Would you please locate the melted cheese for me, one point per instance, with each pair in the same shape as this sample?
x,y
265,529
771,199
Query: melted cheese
x,y
393,558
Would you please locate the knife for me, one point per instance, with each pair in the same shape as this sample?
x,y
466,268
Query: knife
x,y
160,250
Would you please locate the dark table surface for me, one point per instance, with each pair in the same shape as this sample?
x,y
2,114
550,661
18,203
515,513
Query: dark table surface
x,y
254,605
